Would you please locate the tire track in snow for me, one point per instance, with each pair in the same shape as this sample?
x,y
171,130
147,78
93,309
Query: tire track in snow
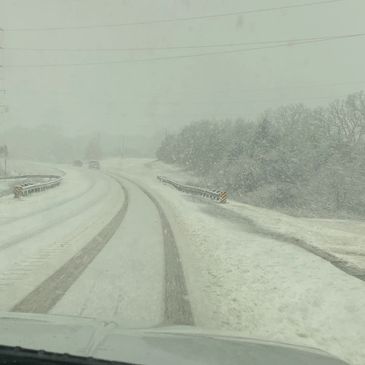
x,y
43,298
18,239
177,306
91,184
256,228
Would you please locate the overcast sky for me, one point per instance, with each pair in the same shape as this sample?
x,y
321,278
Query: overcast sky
x,y
153,95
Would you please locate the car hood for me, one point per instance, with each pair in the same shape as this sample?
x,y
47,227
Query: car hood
x,y
160,345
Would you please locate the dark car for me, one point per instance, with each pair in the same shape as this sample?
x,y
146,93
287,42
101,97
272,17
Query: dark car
x,y
94,165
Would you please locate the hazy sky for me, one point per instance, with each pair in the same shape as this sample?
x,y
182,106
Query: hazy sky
x,y
152,95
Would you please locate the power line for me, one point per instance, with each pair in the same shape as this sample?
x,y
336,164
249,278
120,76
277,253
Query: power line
x,y
234,51
182,19
213,45
241,92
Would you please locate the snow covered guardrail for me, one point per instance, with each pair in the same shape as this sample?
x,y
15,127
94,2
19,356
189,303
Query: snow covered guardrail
x,y
220,196
30,187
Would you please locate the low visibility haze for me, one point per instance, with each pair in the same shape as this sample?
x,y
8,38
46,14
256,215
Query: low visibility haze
x,y
81,67
182,179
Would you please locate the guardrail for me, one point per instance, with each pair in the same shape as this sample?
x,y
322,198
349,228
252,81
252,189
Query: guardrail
x,y
29,188
19,177
220,196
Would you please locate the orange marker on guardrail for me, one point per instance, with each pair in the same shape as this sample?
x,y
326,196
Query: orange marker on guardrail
x,y
18,191
223,197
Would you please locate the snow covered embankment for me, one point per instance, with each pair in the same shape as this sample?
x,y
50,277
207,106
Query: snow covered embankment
x,y
342,240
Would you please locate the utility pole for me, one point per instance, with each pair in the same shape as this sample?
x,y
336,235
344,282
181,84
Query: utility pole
x,y
3,106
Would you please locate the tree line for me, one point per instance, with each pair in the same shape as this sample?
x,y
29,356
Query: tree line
x,y
294,158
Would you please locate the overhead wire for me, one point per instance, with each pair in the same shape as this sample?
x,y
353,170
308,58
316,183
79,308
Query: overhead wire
x,y
276,43
202,54
158,48
173,20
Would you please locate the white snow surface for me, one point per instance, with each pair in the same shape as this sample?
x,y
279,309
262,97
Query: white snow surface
x,y
261,287
24,167
343,238
125,281
41,232
237,280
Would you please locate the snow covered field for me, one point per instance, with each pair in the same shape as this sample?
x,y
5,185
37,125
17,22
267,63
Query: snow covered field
x,y
21,167
240,280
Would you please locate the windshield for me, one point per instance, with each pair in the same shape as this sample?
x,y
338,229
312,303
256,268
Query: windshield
x,y
197,163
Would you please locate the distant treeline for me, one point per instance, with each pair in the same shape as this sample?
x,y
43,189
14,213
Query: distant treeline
x,y
294,158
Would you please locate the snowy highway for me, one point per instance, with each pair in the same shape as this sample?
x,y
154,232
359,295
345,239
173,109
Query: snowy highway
x,y
119,245
138,274
43,231
136,268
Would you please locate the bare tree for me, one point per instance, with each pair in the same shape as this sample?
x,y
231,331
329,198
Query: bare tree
x,y
348,118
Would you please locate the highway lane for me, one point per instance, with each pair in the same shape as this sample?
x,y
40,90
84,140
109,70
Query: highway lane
x,y
137,278
77,184
43,298
52,237
110,253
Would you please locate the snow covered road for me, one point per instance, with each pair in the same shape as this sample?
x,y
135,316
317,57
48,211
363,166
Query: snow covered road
x,y
138,274
174,259
43,231
124,265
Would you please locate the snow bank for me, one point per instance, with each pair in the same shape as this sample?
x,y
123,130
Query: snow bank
x,y
23,167
344,239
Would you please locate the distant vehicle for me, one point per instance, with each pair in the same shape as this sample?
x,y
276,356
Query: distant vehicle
x,y
94,165
78,163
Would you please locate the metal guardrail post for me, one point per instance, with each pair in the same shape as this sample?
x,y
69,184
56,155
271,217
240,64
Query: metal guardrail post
x,y
26,189
18,191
